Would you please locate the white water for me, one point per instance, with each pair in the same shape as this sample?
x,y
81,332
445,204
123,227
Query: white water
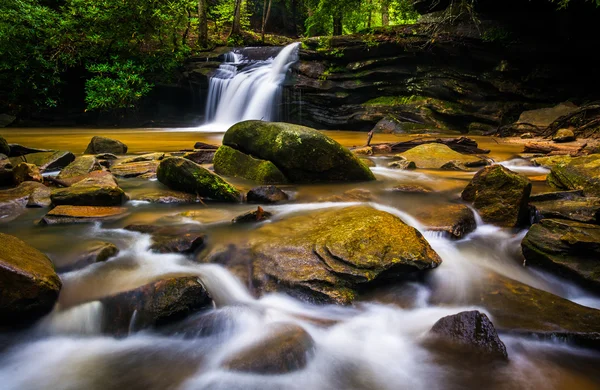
x,y
251,93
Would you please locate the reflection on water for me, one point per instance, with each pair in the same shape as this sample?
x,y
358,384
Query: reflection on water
x,y
379,343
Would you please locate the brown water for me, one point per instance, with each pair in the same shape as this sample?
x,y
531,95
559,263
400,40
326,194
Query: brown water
x,y
372,346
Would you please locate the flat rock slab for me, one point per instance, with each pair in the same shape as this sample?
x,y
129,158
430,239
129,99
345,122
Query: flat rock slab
x,y
46,161
581,209
14,201
81,214
135,168
435,156
457,220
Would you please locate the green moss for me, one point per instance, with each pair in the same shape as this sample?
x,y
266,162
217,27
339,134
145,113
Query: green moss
x,y
231,162
394,100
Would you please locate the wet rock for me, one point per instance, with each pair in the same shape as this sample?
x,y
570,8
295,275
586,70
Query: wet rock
x,y
353,195
544,117
557,195
232,162
564,135
67,214
500,196
402,164
166,197
184,175
13,201
454,166
171,239
472,333
368,162
154,304
46,161
580,209
202,145
17,150
99,188
26,172
302,154
576,173
30,286
95,252
266,194
144,157
100,144
435,155
412,189
4,148
257,215
78,169
135,169
455,219
287,348
202,156
571,249
40,197
382,149
324,256
106,156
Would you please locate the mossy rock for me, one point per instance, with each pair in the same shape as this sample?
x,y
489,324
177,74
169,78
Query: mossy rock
x,y
325,256
30,286
500,195
79,168
576,208
4,148
569,248
435,156
89,196
100,144
231,162
576,173
46,161
184,175
301,153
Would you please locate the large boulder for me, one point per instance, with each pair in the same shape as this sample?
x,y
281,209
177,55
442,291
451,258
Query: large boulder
x,y
326,255
99,188
46,161
543,117
154,304
4,148
569,248
500,195
30,285
472,333
302,154
576,173
78,169
435,156
100,144
232,162
184,175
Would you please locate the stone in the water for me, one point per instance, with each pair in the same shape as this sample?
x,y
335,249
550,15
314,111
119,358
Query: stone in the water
x,y
135,168
232,162
434,156
100,144
302,154
473,333
46,161
17,150
581,209
184,175
266,194
202,145
78,169
154,304
564,135
26,172
202,156
454,166
368,162
556,195
13,201
6,174
500,196
324,256
571,249
180,243
257,215
576,173
412,189
95,252
402,164
157,156
354,195
287,348
40,197
30,286
457,220
4,148
97,189
165,196
82,214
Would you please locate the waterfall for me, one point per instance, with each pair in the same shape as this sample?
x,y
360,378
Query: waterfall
x,y
241,90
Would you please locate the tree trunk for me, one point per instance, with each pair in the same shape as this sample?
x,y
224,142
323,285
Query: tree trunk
x,y
236,28
266,12
385,13
202,24
337,24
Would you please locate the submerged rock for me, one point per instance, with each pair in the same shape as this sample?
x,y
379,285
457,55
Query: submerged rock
x,y
435,156
67,214
78,169
184,175
171,239
4,148
402,164
571,249
232,162
473,333
324,256
500,196
287,348
46,161
30,285
302,154
165,196
576,173
135,169
14,201
353,195
26,172
266,194
100,144
564,135
254,216
153,304
95,252
412,189
455,219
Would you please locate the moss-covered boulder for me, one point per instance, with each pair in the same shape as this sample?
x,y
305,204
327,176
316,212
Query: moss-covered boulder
x,y
301,153
435,156
4,148
46,161
99,188
571,249
79,168
29,283
231,162
564,135
26,172
327,255
500,195
100,144
184,175
576,173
